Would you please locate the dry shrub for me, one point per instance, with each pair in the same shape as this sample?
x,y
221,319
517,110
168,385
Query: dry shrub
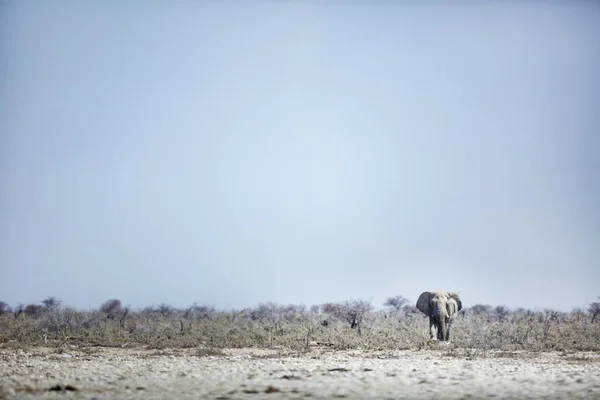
x,y
296,328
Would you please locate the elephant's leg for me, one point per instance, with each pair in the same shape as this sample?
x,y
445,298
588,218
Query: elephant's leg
x,y
436,330
432,327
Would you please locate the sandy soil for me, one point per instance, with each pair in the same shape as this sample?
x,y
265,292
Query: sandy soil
x,y
100,373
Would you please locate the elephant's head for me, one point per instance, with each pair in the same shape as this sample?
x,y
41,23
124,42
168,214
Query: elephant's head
x,y
441,306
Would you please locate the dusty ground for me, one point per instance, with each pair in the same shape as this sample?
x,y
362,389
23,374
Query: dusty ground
x,y
101,373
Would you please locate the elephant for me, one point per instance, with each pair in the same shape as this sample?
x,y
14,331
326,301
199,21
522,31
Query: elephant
x,y
441,308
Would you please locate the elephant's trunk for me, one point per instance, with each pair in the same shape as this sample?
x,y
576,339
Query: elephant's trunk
x,y
442,321
443,328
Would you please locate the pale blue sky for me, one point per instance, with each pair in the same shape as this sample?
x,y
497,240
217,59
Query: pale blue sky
x,y
230,153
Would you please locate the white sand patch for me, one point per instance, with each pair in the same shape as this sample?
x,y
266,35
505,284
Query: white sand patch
x,y
102,373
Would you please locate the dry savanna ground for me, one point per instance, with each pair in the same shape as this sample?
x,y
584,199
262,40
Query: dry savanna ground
x,y
125,373
344,350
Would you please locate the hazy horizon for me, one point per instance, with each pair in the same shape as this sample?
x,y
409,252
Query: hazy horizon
x,y
231,154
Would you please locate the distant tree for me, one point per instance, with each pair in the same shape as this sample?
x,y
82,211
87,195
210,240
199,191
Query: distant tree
x,y
33,310
18,311
330,308
578,313
111,307
480,309
4,308
522,314
550,315
165,309
114,310
410,309
51,303
295,312
350,311
396,302
501,312
523,311
267,313
200,312
594,309
235,314
294,308
162,309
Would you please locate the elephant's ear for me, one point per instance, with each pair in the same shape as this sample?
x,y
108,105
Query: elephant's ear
x,y
423,303
456,298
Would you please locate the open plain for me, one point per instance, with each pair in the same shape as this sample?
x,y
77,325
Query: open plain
x,y
121,373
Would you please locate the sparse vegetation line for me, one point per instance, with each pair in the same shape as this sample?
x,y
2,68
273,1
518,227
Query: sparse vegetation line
x,y
353,324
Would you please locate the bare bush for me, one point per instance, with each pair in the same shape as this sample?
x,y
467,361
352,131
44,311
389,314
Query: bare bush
x,y
594,309
111,306
51,303
480,309
33,310
352,312
396,302
5,308
411,309
18,311
162,309
200,312
501,313
266,313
